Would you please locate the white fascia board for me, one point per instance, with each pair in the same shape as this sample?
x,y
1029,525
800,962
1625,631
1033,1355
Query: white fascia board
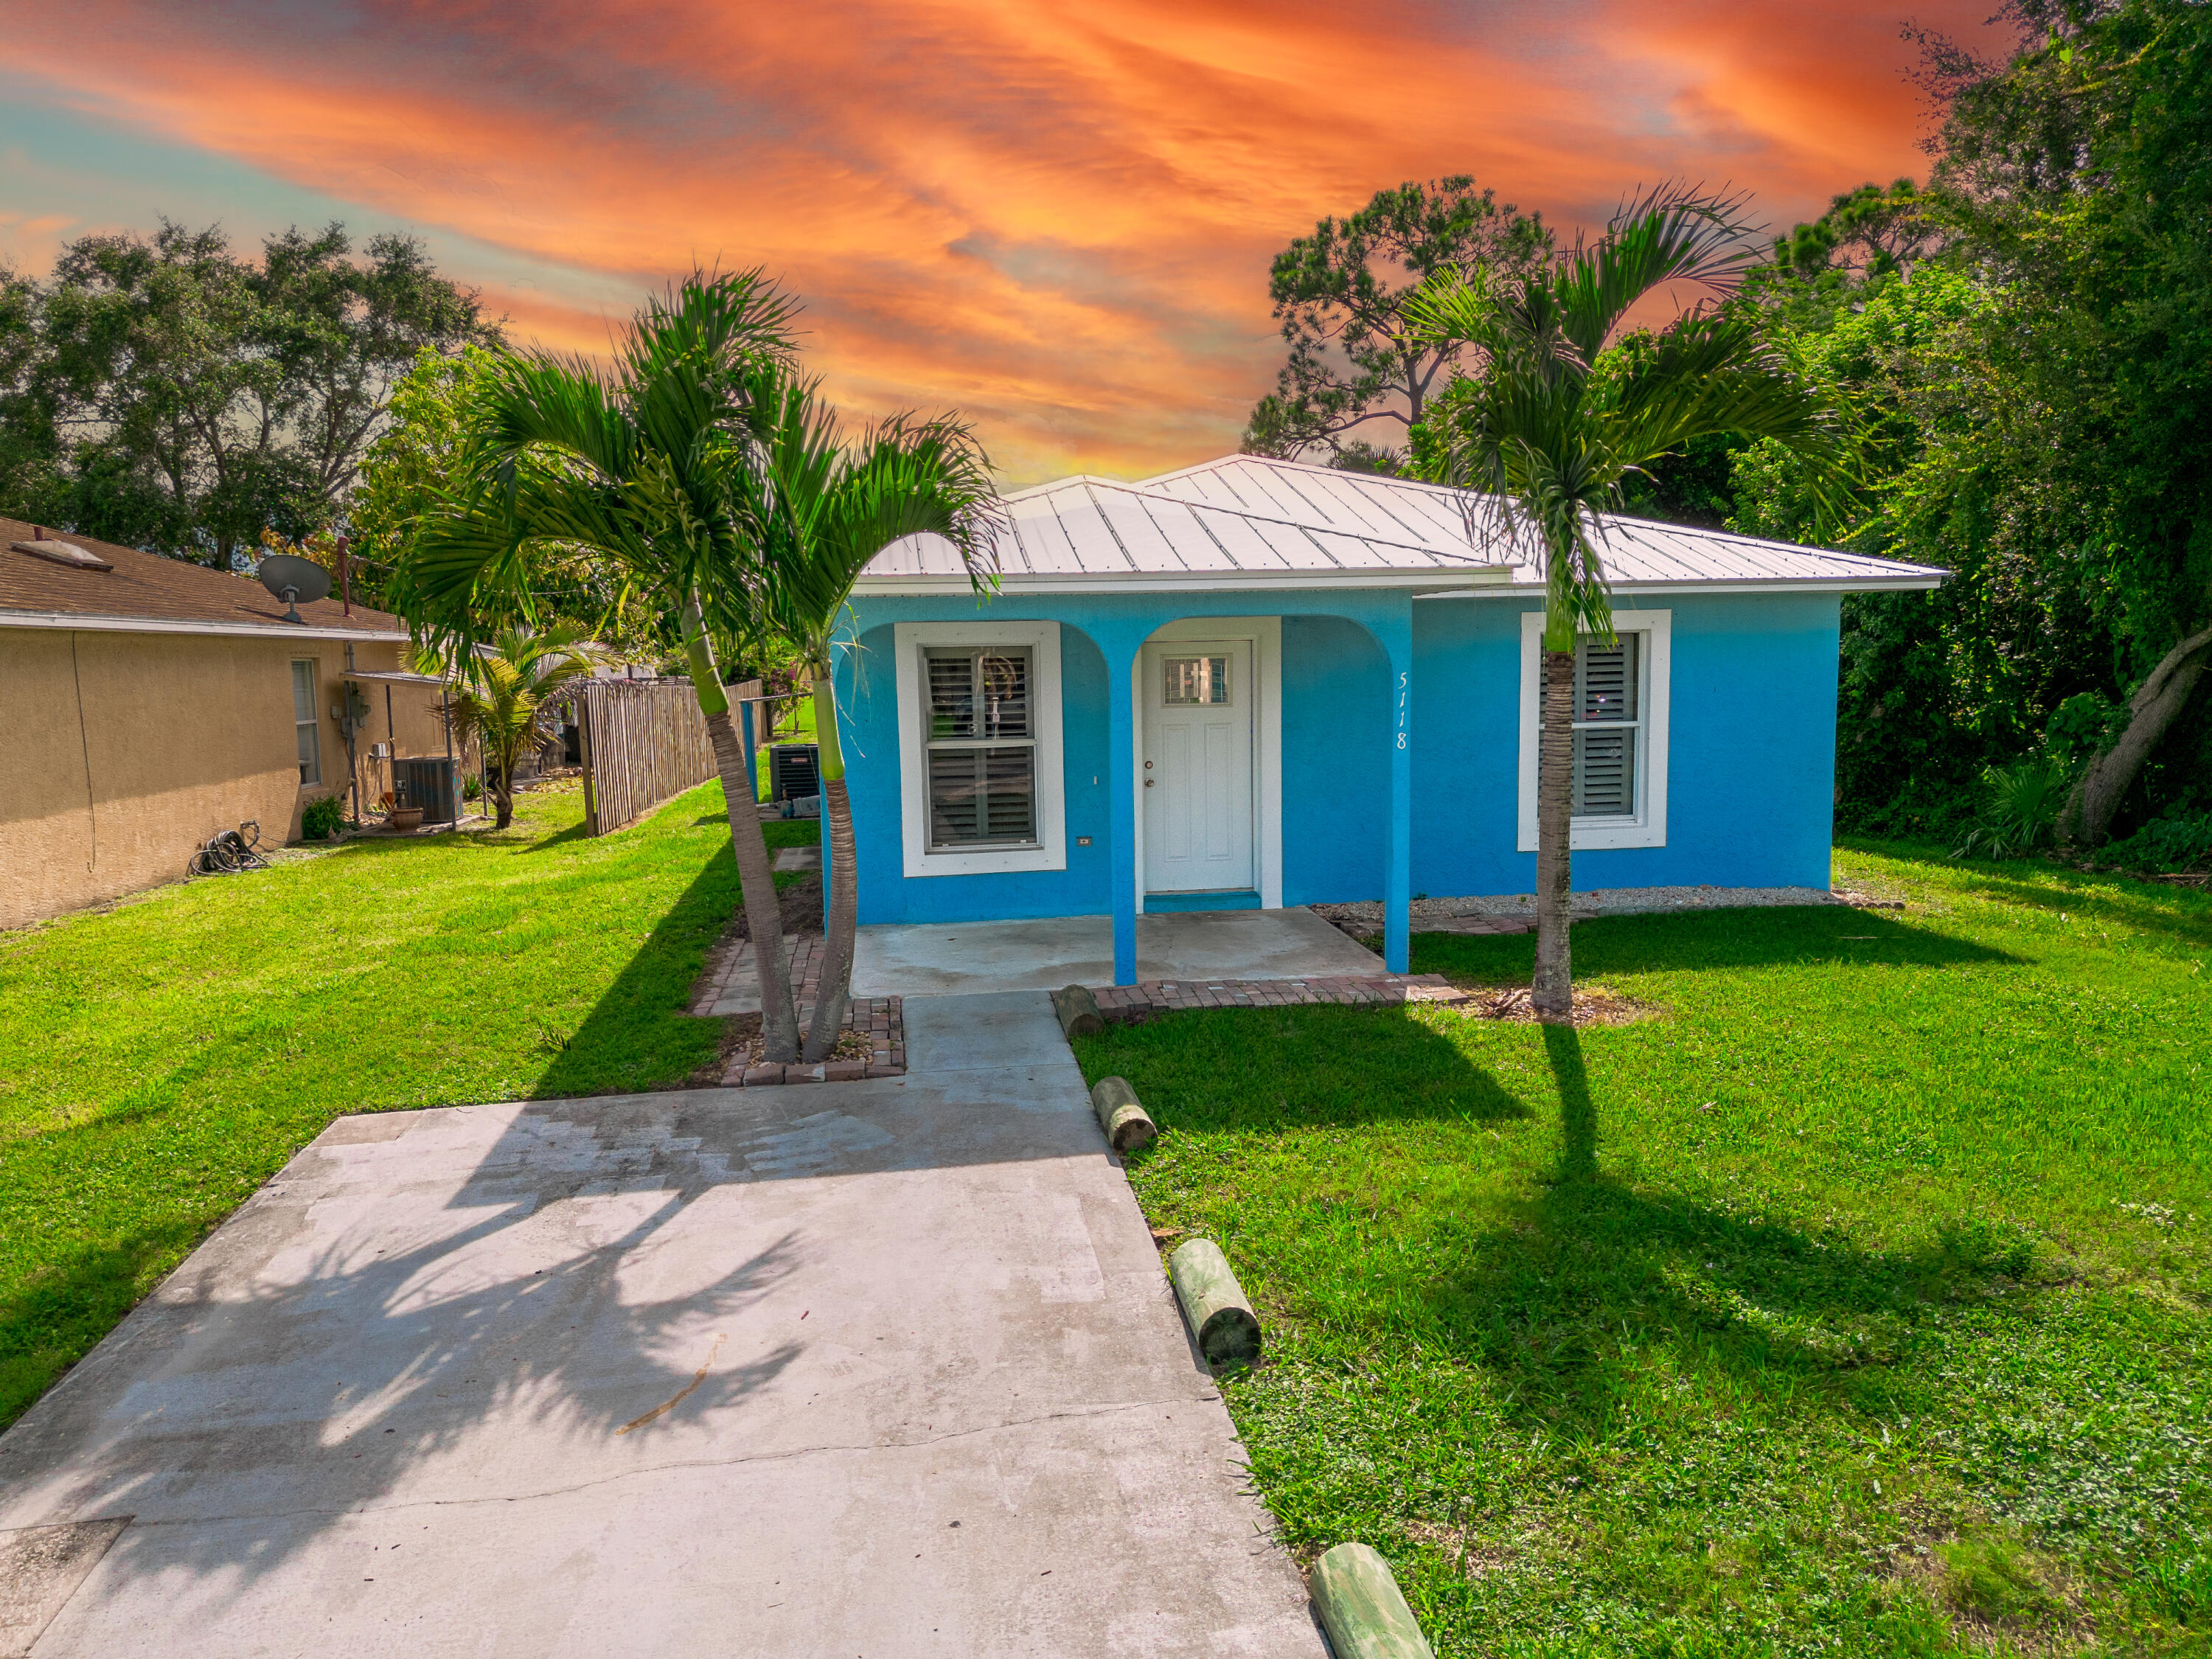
x,y
70,621
1770,585
1197,581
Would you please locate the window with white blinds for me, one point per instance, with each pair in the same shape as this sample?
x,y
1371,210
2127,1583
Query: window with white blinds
x,y
1623,690
305,726
980,747
1608,727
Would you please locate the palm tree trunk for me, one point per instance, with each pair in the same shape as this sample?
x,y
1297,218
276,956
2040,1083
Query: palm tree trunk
x,y
503,794
835,992
1552,994
756,872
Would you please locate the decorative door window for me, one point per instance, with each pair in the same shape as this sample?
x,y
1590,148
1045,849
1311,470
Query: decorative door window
x,y
981,748
1195,680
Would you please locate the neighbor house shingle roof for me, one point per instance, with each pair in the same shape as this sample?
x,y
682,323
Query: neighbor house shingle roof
x,y
146,592
1251,521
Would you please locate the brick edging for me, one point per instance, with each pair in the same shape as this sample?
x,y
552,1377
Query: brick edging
x,y
1131,1004
882,1020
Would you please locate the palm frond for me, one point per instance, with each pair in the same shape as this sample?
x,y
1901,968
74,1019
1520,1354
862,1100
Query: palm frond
x,y
838,506
1673,232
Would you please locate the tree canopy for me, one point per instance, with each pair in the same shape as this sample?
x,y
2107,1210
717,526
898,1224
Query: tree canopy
x,y
2028,342
167,392
1354,357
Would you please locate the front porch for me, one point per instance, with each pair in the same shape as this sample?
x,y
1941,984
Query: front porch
x,y
964,958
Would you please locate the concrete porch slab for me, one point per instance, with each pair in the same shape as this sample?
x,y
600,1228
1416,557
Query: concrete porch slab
x,y
965,958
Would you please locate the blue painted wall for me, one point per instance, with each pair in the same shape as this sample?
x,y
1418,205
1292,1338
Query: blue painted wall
x,y
869,699
1751,754
1751,771
1336,761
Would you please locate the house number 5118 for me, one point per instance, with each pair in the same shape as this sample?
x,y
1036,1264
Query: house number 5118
x,y
1402,711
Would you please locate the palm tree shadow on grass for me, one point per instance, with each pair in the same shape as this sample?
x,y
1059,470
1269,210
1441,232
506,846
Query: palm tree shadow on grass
x,y
1246,1070
637,1035
1560,1299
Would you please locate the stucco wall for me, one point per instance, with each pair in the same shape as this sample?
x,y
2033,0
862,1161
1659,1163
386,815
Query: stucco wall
x,y
120,753
869,699
1336,761
1751,762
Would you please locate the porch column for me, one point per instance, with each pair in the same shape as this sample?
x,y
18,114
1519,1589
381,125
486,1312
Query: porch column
x,y
1121,792
1397,637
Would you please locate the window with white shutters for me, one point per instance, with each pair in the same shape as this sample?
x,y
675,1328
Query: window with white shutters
x,y
980,747
1608,727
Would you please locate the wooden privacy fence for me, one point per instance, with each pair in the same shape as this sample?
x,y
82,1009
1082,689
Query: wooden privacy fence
x,y
644,742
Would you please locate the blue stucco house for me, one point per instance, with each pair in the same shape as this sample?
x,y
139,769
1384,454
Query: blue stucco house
x,y
1261,684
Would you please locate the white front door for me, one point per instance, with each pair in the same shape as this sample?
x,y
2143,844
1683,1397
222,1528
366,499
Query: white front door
x,y
1197,766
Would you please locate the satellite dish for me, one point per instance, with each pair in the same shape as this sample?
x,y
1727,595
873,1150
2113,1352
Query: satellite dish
x,y
292,579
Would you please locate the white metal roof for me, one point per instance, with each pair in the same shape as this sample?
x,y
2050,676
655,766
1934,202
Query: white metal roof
x,y
1247,521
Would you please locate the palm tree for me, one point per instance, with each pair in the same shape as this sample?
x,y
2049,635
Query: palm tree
x,y
653,467
504,698
1546,425
836,506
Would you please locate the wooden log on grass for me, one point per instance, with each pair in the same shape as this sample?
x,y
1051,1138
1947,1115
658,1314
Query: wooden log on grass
x,y
1227,1330
1078,1010
1121,1115
1361,1607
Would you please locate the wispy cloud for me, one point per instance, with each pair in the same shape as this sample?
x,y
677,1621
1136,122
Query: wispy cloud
x,y
1055,217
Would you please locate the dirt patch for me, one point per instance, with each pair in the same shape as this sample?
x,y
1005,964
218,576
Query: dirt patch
x,y
753,1048
1595,1007
1995,1595
801,904
743,1044
1473,1560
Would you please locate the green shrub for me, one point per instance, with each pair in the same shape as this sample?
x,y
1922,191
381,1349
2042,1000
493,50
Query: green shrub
x,y
2019,807
2172,843
322,818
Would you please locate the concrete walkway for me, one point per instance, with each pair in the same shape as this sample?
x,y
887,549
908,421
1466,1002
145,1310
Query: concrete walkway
x,y
884,1368
1043,954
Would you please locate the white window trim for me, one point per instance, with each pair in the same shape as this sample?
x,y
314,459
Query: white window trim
x,y
1266,636
1649,827
1050,852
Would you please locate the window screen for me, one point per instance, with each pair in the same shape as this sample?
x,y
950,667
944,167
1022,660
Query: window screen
x,y
305,726
1608,727
981,748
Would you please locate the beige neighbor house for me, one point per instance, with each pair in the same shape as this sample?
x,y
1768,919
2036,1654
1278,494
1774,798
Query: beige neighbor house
x,y
147,704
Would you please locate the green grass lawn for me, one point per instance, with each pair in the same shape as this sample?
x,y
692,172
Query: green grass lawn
x,y
1856,1302
160,1061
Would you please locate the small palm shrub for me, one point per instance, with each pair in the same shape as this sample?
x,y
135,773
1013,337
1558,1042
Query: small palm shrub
x,y
321,819
2019,808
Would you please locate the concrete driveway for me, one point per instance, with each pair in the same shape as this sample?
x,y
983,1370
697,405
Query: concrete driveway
x,y
885,1368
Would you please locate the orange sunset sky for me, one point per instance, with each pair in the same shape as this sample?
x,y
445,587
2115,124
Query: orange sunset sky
x,y
1055,218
